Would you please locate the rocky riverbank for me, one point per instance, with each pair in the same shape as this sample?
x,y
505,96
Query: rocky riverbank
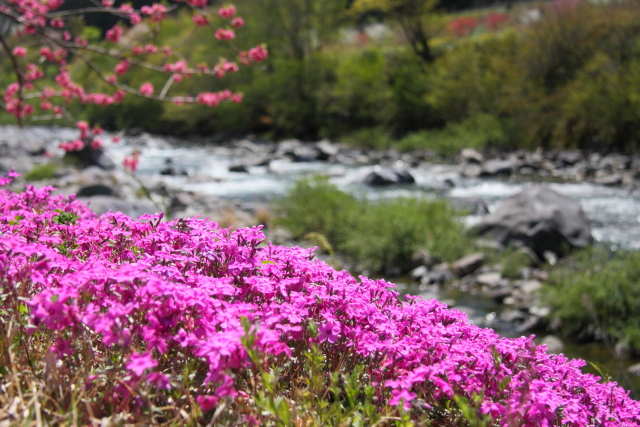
x,y
516,293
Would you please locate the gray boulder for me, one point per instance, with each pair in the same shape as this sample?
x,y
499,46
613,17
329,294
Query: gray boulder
x,y
326,149
90,156
540,219
383,177
468,264
469,155
95,190
498,167
553,343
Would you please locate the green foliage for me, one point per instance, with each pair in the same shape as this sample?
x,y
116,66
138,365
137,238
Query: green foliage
x,y
570,79
375,138
596,287
400,226
389,233
324,395
513,261
476,132
360,97
41,172
315,205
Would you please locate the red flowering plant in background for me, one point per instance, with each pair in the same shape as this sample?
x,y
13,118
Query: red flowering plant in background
x,y
43,26
495,20
463,26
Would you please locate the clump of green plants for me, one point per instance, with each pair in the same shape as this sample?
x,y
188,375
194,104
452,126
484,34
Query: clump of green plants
x,y
316,205
41,172
476,132
375,138
595,287
512,262
380,236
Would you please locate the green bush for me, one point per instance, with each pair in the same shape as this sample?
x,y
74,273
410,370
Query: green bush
x,y
595,287
41,172
476,132
380,236
315,205
389,233
376,138
360,96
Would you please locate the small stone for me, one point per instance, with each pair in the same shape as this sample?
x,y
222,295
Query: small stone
x,y
468,264
550,257
532,322
239,168
622,350
530,286
540,311
438,277
423,257
509,301
500,295
492,279
612,180
511,315
634,369
469,155
553,343
418,273
95,190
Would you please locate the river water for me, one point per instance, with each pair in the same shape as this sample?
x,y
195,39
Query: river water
x,y
614,212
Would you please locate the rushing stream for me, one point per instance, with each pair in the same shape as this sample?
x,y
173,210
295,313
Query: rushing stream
x,y
614,212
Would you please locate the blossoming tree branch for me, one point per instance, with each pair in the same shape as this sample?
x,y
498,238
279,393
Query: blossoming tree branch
x,y
39,35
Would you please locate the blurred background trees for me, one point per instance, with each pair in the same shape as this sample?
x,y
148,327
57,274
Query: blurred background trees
x,y
417,74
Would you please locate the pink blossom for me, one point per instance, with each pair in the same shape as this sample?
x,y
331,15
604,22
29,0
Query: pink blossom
x,y
122,67
19,51
146,89
237,22
227,12
114,34
225,34
200,20
207,402
138,363
258,54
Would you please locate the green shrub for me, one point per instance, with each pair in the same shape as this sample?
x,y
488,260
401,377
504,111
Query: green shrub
x,y
41,172
512,262
315,205
389,233
476,132
380,236
360,96
375,138
595,287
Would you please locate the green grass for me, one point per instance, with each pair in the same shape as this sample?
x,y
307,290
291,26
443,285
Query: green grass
x,y
381,236
41,172
594,287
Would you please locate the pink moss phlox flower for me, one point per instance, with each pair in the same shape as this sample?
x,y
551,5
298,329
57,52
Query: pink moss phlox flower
x,y
138,363
185,286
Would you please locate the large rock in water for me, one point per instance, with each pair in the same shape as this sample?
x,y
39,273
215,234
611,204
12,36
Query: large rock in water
x,y
540,219
383,177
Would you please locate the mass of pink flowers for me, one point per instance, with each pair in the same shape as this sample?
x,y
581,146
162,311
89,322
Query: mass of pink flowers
x,y
41,40
175,292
